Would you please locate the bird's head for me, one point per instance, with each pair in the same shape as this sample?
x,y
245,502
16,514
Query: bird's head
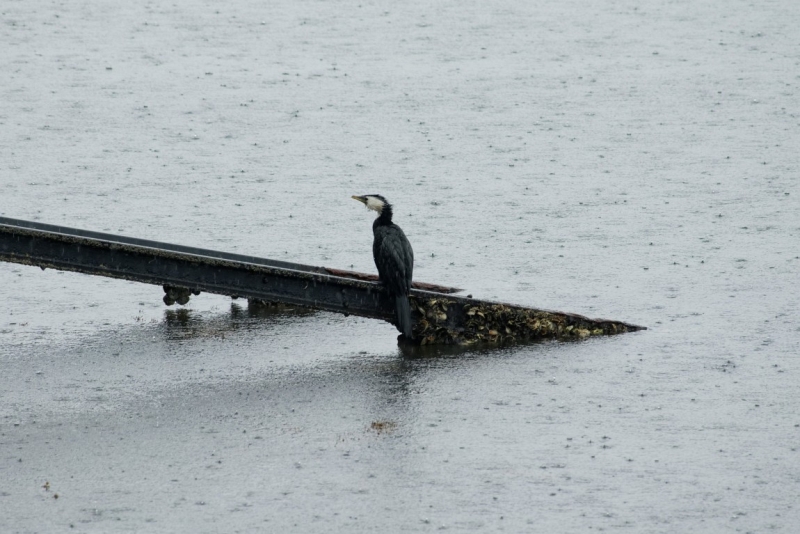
x,y
373,202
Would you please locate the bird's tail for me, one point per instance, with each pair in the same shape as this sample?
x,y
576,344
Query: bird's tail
x,y
403,312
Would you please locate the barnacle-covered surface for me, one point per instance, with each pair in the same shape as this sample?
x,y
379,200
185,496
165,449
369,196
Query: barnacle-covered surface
x,y
444,320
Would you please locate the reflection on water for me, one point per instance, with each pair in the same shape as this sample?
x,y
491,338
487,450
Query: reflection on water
x,y
184,323
180,317
414,352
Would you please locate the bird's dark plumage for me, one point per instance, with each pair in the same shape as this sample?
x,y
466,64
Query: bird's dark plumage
x,y
394,258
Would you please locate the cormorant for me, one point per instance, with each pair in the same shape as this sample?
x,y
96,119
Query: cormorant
x,y
394,258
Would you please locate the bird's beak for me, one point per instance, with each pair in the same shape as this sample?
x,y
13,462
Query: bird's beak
x,y
363,200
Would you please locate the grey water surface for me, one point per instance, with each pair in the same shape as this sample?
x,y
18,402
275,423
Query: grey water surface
x,y
623,159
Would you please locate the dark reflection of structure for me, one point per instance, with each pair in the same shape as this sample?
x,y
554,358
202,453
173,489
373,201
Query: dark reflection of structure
x,y
389,392
179,318
396,384
391,388
183,323
399,382
414,352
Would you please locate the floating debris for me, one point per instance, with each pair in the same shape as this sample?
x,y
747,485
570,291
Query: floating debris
x,y
383,426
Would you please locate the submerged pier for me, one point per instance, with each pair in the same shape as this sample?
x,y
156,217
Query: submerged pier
x,y
438,315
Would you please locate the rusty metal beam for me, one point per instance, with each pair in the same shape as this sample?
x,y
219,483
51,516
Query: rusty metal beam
x,y
115,238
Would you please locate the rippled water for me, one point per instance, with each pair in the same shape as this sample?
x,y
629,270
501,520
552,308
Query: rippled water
x,y
636,161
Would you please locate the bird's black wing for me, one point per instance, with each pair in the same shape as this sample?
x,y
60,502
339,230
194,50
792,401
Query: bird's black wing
x,y
394,258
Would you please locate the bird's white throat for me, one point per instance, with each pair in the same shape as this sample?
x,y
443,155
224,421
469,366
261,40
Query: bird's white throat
x,y
374,203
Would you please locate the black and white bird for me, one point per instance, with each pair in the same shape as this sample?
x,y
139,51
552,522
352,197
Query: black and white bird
x,y
394,258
